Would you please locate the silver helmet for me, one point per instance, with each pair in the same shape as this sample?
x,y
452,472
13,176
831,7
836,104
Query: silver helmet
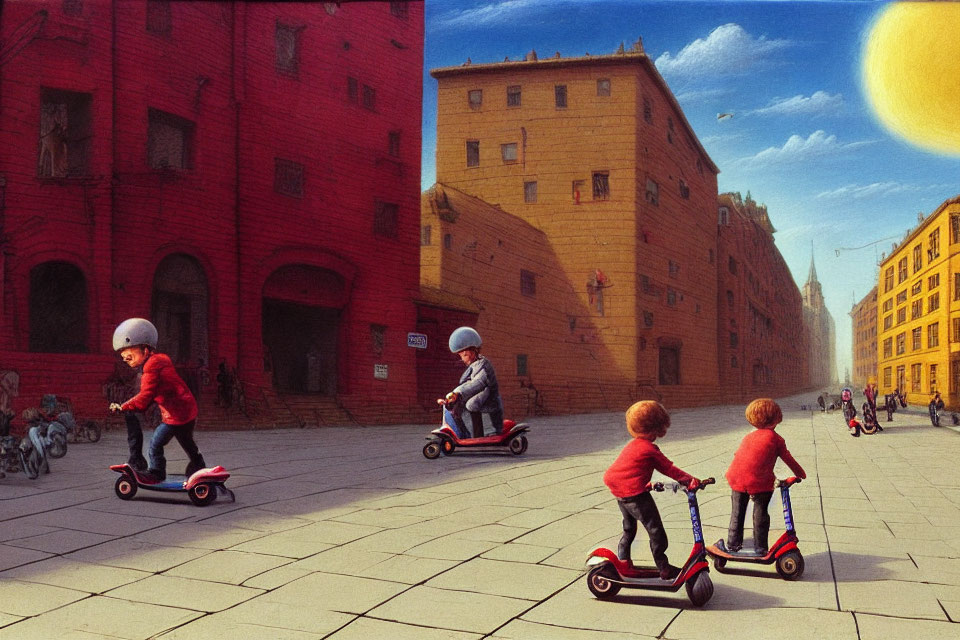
x,y
464,338
133,332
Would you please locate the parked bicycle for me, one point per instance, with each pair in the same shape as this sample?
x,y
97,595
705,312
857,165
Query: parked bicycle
x,y
60,409
21,454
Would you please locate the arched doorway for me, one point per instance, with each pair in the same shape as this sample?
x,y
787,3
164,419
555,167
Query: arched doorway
x,y
58,308
179,309
301,324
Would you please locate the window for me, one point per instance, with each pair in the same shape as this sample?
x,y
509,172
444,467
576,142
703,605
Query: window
x,y
521,364
66,134
603,87
601,185
58,308
647,110
916,288
508,152
724,217
671,297
901,343
954,228
888,280
902,297
732,265
888,322
956,286
393,144
530,191
684,189
385,219
886,377
653,192
369,98
577,187
528,283
917,258
933,378
888,348
288,177
72,7
888,305
733,362
513,96
670,130
377,338
159,20
917,335
734,339
169,141
399,9
560,96
915,372
956,330
473,153
287,44
901,315
673,268
933,244
916,309
729,299
425,233
933,282
902,377
447,241
933,335
353,91
475,98
933,302
669,369
902,270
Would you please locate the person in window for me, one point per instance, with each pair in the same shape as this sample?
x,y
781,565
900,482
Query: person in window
x,y
478,391
136,341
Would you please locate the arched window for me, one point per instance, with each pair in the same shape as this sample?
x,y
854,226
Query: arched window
x,y
58,308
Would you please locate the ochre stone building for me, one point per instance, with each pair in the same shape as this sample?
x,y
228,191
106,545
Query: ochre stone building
x,y
245,174
595,153
864,319
918,335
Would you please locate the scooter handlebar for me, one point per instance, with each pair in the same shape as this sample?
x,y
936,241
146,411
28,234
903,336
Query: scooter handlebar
x,y
792,480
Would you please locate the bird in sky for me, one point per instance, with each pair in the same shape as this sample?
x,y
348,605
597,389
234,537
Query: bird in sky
x,y
724,116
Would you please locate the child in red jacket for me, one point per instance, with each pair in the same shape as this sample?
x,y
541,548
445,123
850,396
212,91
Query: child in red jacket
x,y
629,476
751,474
136,340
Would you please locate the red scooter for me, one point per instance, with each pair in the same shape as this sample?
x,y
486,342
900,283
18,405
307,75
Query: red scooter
x,y
608,574
446,440
784,551
202,486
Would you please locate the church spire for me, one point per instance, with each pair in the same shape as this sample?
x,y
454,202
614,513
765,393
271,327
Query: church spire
x,y
813,269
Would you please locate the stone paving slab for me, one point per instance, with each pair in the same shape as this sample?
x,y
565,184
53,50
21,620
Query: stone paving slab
x,y
80,576
451,610
768,624
183,593
230,567
134,554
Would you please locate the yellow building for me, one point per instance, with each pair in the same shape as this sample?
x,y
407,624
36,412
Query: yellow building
x,y
864,319
918,331
596,153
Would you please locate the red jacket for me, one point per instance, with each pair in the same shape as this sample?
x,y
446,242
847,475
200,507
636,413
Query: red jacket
x,y
752,468
161,384
631,471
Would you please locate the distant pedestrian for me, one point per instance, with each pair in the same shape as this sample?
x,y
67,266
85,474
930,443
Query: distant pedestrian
x,y
823,405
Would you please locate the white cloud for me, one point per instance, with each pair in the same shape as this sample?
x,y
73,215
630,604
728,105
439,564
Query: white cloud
x,y
728,50
859,192
797,148
498,12
820,102
701,95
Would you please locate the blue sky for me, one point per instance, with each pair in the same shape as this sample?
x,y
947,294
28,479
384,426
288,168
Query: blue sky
x,y
802,139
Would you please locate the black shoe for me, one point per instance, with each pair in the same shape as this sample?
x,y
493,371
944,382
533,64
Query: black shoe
x,y
139,463
152,476
194,465
669,572
855,434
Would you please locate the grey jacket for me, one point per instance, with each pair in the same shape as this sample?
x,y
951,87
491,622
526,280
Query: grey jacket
x,y
480,380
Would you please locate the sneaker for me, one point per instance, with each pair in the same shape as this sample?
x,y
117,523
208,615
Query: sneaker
x,y
669,572
139,463
855,434
152,476
193,467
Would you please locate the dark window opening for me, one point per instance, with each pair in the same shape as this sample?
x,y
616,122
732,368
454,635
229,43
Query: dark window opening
x,y
425,233
560,96
475,98
393,144
473,153
159,18
66,134
601,186
399,9
287,42
385,220
669,369
353,91
72,7
521,364
377,338
58,308
513,96
528,283
529,191
169,141
288,177
603,87
369,98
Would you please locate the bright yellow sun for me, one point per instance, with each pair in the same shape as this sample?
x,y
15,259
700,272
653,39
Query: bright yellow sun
x,y
911,73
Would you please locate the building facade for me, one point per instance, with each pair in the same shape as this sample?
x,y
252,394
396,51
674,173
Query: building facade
x,y
244,174
864,319
821,333
595,153
918,332
760,333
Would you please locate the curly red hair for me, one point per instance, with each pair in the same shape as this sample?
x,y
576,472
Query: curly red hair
x,y
764,413
647,418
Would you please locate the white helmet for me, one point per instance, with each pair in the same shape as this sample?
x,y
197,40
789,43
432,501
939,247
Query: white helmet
x,y
133,332
464,338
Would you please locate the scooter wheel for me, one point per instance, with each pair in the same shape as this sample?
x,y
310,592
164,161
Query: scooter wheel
x,y
516,446
93,431
58,446
125,488
202,494
699,588
790,565
523,439
431,450
600,582
447,447
719,563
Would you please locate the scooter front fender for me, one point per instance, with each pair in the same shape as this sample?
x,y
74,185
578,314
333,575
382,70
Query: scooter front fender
x,y
790,546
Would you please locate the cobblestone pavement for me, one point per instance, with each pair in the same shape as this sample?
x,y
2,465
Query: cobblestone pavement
x,y
351,533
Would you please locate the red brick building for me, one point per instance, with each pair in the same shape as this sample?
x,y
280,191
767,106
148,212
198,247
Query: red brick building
x,y
760,332
245,174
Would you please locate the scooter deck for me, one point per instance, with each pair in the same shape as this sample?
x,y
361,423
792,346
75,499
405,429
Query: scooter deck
x,y
741,556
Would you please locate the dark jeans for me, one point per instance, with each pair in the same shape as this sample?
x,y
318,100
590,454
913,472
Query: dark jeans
x,y
134,435
643,508
166,432
761,519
